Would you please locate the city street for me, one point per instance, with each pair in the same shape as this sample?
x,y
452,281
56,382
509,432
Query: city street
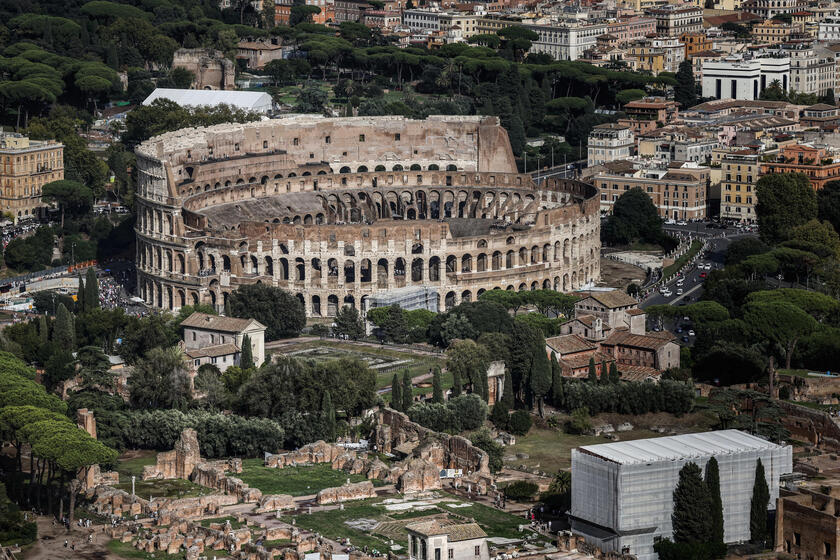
x,y
693,282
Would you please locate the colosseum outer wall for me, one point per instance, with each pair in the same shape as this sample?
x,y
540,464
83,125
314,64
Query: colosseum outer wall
x,y
333,230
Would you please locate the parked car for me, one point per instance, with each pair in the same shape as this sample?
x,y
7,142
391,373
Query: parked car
x,y
679,291
682,223
670,222
702,275
690,333
707,266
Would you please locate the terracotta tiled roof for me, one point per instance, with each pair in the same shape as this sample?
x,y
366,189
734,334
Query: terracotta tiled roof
x,y
635,311
213,351
821,107
649,341
569,344
638,373
613,299
577,361
218,323
460,532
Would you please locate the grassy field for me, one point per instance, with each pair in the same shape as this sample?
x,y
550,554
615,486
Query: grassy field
x,y
332,523
295,481
419,365
132,463
551,450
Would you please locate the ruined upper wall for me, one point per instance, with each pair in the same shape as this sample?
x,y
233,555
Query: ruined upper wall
x,y
469,143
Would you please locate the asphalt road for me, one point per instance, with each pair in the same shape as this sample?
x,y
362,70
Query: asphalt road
x,y
693,282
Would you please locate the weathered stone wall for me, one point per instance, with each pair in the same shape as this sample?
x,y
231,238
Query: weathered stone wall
x,y
212,205
394,429
178,463
346,493
210,68
309,454
809,425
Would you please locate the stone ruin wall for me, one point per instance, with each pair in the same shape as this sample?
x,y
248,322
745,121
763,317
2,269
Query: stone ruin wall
x,y
209,66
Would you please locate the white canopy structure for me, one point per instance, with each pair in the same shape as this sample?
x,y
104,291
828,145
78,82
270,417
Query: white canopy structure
x,y
248,100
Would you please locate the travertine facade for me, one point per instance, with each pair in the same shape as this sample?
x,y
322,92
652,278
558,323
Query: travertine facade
x,y
25,167
335,210
209,66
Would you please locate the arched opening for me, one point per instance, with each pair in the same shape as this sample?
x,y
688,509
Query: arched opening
x,y
284,268
332,305
349,272
451,264
449,301
379,168
398,167
226,263
481,263
466,263
466,296
300,269
365,271
434,269
316,306
417,270
362,169
269,266
497,260
399,272
415,167
344,169
382,273
452,167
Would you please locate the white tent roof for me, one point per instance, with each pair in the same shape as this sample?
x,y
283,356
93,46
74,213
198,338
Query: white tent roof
x,y
248,100
678,447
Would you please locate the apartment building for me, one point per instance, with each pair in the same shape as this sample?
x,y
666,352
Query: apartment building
x,y
567,41
659,54
739,172
678,191
354,10
632,28
381,19
772,32
609,142
822,116
743,79
675,21
766,9
820,165
676,146
647,114
431,19
25,167
812,69
829,29
695,43
283,11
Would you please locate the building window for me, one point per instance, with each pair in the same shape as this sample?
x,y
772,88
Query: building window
x,y
361,137
478,550
327,140
193,336
295,141
397,139
797,539
451,554
265,143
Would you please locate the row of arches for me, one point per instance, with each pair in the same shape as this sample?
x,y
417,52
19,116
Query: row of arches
x,y
321,305
398,167
155,221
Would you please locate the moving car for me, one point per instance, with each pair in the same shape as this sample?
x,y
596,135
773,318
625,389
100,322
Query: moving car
x,y
702,275
679,291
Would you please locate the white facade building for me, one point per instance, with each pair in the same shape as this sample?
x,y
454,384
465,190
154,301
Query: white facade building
x,y
829,30
622,493
736,78
610,142
567,41
812,70
433,540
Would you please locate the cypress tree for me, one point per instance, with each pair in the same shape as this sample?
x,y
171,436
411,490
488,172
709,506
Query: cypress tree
x,y
507,393
593,374
407,395
615,377
712,479
758,506
246,359
328,416
64,332
437,387
456,383
396,393
605,378
557,392
91,290
80,295
540,378
43,330
692,503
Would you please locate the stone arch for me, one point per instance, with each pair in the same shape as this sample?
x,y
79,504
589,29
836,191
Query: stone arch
x,y
451,264
269,266
332,305
300,270
382,273
284,268
365,271
449,301
349,272
434,269
546,253
466,263
344,169
226,263
523,256
316,305
510,259
399,271
466,296
481,262
558,251
496,262
417,270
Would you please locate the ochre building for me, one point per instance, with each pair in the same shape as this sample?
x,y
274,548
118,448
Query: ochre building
x,y
25,167
338,209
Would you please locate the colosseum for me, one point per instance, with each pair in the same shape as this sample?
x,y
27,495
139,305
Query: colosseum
x,y
336,210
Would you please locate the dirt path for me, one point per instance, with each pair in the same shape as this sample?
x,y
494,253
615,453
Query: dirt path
x,y
50,545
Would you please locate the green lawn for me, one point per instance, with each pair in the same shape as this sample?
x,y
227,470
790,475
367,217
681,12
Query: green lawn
x,y
331,523
295,481
127,550
495,522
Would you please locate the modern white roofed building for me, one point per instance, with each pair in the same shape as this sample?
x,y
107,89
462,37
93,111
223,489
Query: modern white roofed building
x,y
622,493
248,100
